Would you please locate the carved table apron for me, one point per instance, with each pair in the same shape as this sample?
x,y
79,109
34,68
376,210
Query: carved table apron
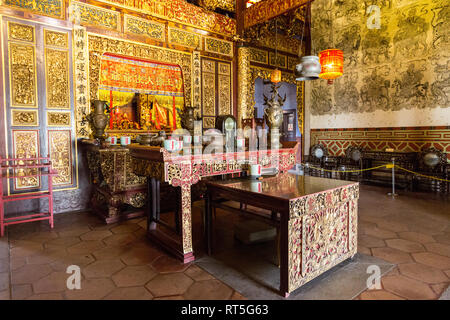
x,y
318,220
185,170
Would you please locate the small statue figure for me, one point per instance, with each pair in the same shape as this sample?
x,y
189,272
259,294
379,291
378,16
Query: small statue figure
x,y
187,119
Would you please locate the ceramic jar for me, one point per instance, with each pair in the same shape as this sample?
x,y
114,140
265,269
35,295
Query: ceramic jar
x,y
308,69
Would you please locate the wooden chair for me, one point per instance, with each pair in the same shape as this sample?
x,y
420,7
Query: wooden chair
x,y
432,162
353,160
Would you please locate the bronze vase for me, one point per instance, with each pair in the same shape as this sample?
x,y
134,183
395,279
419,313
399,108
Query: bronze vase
x,y
98,119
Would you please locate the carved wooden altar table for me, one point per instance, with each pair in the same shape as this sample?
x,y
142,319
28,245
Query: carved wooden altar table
x,y
317,220
187,169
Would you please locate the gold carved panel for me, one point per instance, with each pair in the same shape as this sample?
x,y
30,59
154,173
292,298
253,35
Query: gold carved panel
x,y
278,60
184,38
219,46
59,143
224,68
209,93
208,66
57,76
145,27
49,8
224,88
259,56
95,16
22,67
22,32
56,39
26,145
81,59
209,122
24,118
196,85
58,119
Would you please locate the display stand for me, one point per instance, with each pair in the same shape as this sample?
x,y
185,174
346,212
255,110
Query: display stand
x,y
11,166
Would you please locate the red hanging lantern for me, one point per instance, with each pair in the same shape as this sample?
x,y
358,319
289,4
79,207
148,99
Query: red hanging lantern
x,y
332,62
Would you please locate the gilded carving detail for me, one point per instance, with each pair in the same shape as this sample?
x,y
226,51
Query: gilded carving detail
x,y
26,145
184,38
24,118
58,118
50,8
99,45
278,60
224,68
57,72
224,94
228,5
56,39
19,31
82,107
265,10
259,56
23,74
209,93
145,27
59,143
209,122
196,85
182,12
219,46
95,16
245,106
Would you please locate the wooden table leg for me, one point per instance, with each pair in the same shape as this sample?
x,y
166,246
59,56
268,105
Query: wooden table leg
x,y
208,221
284,254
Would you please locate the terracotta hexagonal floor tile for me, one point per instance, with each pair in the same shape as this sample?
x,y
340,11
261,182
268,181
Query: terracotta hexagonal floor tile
x,y
169,284
208,290
71,231
141,255
166,264
46,296
392,226
197,273
391,255
41,236
443,237
86,247
54,282
96,235
237,296
432,259
405,245
380,233
64,241
30,273
439,288
91,289
416,236
364,250
423,273
80,260
21,291
108,253
133,276
439,248
132,293
447,272
178,297
393,272
5,295
408,288
16,263
102,268
4,281
121,239
370,242
4,265
379,295
125,228
26,250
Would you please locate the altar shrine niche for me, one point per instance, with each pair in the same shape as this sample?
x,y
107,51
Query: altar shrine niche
x,y
142,95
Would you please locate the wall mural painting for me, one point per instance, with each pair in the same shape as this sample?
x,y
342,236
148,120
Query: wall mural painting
x,y
402,65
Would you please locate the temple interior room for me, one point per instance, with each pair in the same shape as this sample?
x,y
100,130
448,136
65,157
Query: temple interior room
x,y
225,150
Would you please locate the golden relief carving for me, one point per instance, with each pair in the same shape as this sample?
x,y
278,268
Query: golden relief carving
x,y
292,62
196,85
95,16
26,145
224,68
209,122
208,66
58,118
82,107
56,39
99,45
57,72
18,31
22,68
50,8
209,93
224,94
245,107
184,38
145,27
219,46
278,60
59,143
259,56
24,118
229,5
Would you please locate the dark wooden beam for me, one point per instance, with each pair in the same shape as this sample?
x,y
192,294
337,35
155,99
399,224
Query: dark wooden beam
x,y
240,12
